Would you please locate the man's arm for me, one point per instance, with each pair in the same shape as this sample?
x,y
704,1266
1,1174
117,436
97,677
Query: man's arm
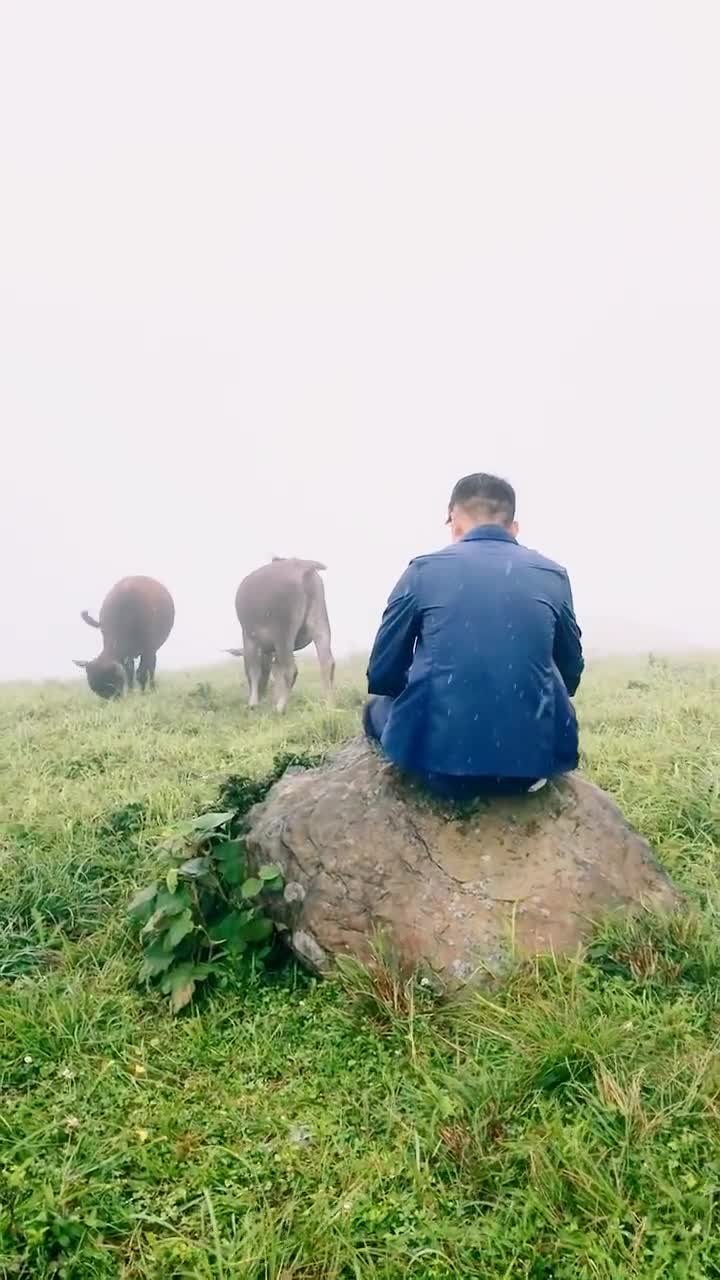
x,y
567,647
392,652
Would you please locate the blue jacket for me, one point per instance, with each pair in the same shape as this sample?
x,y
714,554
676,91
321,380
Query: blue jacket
x,y
481,651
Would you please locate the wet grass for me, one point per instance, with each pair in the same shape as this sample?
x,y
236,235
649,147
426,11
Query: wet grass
x,y
567,1127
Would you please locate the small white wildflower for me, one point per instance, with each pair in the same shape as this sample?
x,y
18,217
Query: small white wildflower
x,y
67,1074
27,1060
300,1136
72,1122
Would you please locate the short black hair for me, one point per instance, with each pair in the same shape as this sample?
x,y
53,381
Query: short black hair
x,y
487,494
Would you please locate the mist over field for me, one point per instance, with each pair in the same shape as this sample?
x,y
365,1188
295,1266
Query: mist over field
x,y
273,278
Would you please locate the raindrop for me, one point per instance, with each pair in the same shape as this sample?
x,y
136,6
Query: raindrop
x,y
544,700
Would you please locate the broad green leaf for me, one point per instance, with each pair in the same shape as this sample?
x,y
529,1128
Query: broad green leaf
x,y
233,876
171,904
257,930
179,929
230,857
251,888
227,928
207,822
193,868
228,850
167,905
141,907
270,871
228,932
151,925
179,982
175,976
274,886
155,960
171,880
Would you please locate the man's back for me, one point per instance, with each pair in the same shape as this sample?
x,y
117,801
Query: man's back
x,y
479,648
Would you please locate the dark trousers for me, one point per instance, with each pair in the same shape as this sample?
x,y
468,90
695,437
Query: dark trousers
x,y
445,786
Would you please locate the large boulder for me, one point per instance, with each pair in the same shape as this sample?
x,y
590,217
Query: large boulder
x,y
363,852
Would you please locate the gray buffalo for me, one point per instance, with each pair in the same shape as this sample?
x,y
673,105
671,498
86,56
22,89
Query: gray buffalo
x,y
136,618
281,608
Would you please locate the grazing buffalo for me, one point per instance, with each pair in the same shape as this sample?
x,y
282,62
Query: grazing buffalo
x,y
136,618
281,608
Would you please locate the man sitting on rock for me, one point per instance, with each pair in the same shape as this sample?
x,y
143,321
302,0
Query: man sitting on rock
x,y
477,657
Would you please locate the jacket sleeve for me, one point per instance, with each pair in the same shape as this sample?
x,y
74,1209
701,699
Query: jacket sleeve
x,y
567,647
392,652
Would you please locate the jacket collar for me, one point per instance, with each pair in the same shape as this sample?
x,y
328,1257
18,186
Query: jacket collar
x,y
489,532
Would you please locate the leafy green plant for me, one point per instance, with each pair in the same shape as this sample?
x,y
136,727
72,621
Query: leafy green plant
x,y
126,822
242,792
204,909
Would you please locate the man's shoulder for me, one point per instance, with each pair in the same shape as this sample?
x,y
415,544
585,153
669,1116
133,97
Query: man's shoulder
x,y
537,560
432,558
516,550
426,556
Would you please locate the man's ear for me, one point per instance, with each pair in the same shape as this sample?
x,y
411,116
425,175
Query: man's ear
x,y
514,529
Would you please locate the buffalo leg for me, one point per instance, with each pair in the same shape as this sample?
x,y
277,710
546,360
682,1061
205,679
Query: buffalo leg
x,y
129,667
285,675
266,661
327,663
318,628
253,657
146,670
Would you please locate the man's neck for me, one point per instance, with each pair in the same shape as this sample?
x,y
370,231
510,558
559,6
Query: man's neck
x,y
481,524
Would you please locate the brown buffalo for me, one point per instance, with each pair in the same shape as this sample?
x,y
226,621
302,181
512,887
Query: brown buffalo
x,y
136,618
281,608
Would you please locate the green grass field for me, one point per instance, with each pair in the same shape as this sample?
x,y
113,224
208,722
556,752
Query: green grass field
x,y
566,1126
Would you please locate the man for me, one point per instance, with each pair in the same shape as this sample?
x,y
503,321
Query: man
x,y
477,657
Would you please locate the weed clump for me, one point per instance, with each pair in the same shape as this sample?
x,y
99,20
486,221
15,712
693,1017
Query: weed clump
x,y
241,792
205,908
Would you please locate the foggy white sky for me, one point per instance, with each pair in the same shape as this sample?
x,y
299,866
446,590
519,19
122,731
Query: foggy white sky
x,y
273,275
